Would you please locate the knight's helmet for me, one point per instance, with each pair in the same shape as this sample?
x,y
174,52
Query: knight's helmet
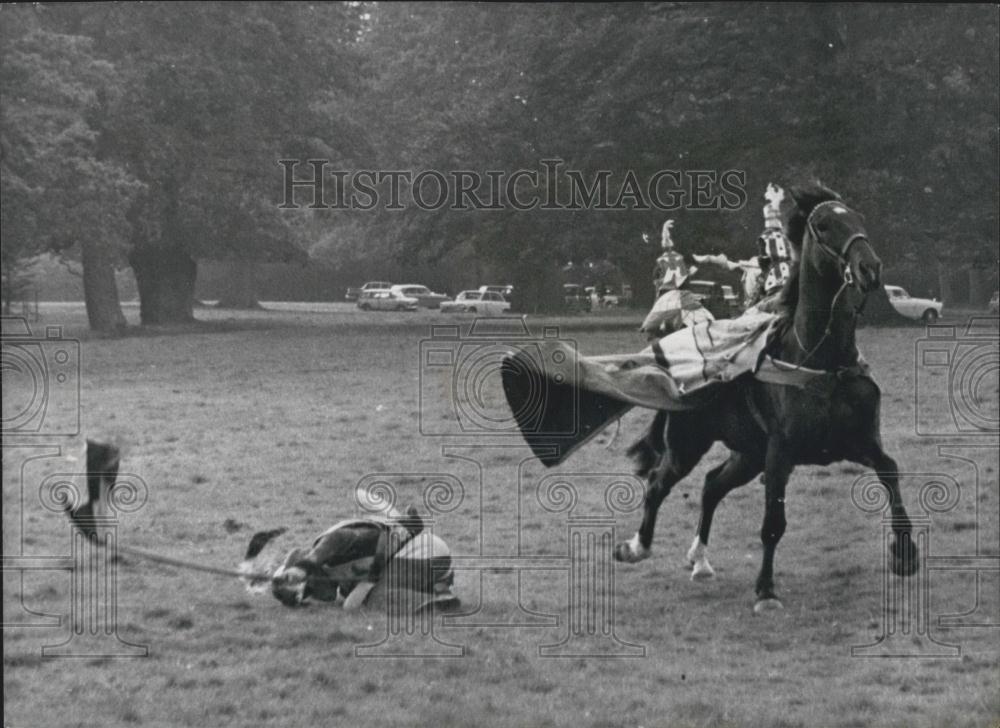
x,y
772,210
667,242
290,582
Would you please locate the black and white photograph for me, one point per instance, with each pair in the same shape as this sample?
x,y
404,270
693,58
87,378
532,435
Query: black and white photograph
x,y
527,365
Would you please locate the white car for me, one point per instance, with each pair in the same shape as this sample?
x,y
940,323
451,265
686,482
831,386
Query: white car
x,y
488,303
353,294
927,309
380,300
504,291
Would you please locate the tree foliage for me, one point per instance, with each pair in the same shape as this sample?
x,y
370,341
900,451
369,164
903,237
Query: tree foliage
x,y
896,106
58,192
206,99
153,131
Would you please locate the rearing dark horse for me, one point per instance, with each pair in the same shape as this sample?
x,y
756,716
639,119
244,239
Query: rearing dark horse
x,y
832,415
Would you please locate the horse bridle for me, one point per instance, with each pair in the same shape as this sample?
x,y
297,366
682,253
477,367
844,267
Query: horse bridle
x,y
845,271
839,255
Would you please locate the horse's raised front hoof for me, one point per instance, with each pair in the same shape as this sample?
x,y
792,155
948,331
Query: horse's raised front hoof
x,y
905,557
769,604
630,552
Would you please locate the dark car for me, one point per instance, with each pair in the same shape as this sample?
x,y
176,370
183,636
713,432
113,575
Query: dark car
x,y
732,301
426,298
576,298
714,298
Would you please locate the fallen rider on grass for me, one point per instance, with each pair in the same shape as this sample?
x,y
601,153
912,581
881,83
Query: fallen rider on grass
x,y
360,563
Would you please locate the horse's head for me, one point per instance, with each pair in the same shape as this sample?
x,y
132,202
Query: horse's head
x,y
833,241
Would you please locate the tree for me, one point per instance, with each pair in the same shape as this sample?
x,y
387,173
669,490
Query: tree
x,y
179,114
781,92
58,193
212,97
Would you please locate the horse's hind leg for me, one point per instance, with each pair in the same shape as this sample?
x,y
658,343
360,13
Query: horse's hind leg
x,y
905,556
738,470
648,450
684,448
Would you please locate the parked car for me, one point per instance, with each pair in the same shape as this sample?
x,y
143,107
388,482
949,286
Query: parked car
x,y
426,298
489,303
354,293
602,297
626,298
504,291
994,305
928,309
732,299
713,297
576,298
382,300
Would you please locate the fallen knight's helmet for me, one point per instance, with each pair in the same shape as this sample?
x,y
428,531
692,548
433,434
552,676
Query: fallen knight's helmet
x,y
364,560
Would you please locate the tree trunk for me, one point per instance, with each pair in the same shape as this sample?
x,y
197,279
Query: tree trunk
x,y
944,283
979,295
241,285
100,290
165,278
638,272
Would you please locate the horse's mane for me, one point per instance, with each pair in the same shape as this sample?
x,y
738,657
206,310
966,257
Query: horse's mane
x,y
806,198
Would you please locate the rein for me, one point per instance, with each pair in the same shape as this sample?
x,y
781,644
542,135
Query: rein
x,y
845,272
826,332
190,565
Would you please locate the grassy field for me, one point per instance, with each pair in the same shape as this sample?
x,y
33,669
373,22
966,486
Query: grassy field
x,y
272,418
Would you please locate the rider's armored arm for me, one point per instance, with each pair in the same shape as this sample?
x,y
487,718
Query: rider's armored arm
x,y
720,259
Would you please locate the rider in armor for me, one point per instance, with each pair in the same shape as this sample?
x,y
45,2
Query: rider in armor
x,y
671,270
675,306
361,561
775,252
370,562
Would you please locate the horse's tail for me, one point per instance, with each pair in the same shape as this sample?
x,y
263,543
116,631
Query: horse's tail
x,y
648,449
